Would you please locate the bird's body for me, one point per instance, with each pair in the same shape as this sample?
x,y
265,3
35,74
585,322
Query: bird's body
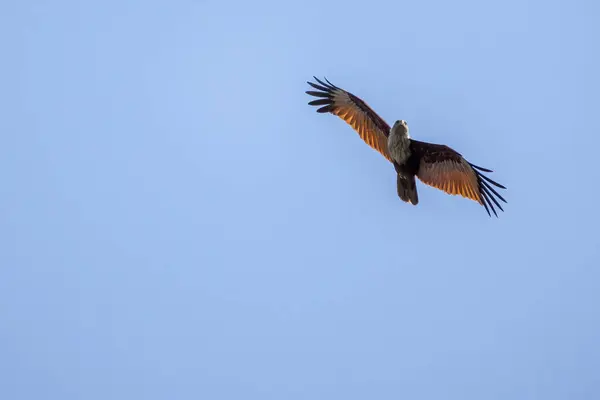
x,y
399,149
436,165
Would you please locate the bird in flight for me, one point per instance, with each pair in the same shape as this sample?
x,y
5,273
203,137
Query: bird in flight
x,y
435,165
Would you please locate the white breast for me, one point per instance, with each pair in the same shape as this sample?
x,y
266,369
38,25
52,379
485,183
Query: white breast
x,y
398,146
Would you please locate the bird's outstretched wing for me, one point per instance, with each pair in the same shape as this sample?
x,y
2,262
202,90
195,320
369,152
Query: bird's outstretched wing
x,y
443,168
370,126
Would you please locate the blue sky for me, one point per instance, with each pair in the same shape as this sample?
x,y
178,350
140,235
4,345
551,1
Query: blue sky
x,y
177,222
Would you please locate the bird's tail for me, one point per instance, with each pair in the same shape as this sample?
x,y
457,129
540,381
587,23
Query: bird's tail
x,y
407,189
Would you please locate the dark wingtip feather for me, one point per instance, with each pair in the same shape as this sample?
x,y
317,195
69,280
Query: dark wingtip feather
x,y
488,187
320,102
480,168
327,85
324,95
332,85
318,94
486,207
487,192
324,109
319,87
493,182
486,198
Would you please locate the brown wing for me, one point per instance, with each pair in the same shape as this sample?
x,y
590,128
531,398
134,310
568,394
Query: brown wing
x,y
445,169
370,126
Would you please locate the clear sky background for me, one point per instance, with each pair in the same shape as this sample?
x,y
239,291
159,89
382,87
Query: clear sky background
x,y
177,223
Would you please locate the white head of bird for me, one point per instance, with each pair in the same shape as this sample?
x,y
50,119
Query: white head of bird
x,y
400,128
